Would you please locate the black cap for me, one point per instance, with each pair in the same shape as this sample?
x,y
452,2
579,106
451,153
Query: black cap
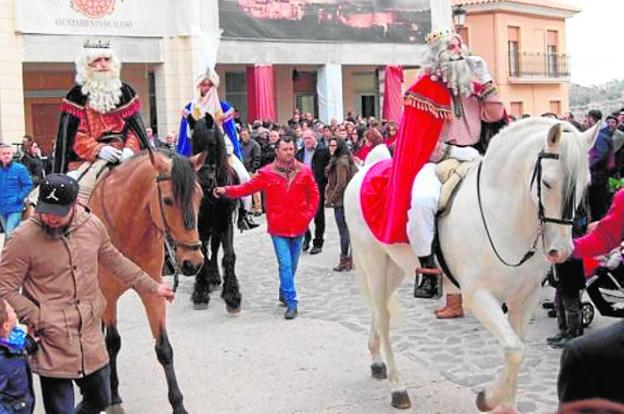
x,y
57,193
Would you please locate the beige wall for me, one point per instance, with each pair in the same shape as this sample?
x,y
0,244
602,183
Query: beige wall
x,y
487,37
11,95
174,81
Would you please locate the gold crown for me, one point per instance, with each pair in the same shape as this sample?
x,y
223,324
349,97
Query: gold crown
x,y
436,36
96,44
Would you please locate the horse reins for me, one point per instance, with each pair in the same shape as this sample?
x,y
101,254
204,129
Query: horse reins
x,y
536,176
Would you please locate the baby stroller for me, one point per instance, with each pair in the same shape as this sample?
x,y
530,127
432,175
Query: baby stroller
x,y
604,286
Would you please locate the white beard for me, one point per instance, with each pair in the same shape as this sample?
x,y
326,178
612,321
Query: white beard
x,y
103,90
458,77
454,71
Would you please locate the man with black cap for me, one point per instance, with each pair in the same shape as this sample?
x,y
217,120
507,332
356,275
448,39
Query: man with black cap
x,y
48,274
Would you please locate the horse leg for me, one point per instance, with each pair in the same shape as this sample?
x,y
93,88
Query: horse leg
x,y
488,311
155,310
214,278
519,314
201,290
382,286
231,292
113,342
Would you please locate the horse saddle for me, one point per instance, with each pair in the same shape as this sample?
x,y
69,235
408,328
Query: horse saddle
x,y
451,173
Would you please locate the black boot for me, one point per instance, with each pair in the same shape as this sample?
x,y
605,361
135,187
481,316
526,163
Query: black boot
x,y
249,220
429,282
428,287
245,222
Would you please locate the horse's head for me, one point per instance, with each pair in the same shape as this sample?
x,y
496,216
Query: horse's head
x,y
208,139
560,177
175,205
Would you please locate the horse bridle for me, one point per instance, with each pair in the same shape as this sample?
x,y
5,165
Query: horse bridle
x,y
166,230
536,177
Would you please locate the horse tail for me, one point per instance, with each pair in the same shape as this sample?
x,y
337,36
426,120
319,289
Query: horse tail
x,y
379,153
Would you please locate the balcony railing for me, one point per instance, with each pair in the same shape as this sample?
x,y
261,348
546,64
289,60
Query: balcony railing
x,y
535,65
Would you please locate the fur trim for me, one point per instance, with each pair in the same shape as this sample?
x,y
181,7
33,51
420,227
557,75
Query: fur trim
x,y
488,91
72,108
129,109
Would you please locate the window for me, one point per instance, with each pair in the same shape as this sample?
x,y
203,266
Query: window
x,y
555,107
366,91
236,91
152,103
552,63
513,50
517,108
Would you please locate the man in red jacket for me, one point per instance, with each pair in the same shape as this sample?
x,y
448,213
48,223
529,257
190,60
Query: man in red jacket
x,y
291,198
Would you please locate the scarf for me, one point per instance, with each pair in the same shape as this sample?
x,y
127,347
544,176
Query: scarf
x,y
16,340
286,167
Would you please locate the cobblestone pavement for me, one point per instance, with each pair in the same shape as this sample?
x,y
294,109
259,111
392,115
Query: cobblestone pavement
x,y
461,350
442,362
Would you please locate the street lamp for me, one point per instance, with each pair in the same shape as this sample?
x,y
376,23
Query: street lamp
x,y
459,17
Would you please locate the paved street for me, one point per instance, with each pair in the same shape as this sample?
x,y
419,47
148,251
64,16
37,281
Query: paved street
x,y
256,362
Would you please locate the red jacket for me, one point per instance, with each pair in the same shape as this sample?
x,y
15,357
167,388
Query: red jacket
x,y
290,205
607,235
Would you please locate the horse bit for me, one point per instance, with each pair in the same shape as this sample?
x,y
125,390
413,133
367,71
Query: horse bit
x,y
536,176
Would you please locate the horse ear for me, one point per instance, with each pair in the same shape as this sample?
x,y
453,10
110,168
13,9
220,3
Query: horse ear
x,y
162,163
554,136
198,160
589,137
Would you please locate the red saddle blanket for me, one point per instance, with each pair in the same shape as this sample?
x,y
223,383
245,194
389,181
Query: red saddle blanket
x,y
386,190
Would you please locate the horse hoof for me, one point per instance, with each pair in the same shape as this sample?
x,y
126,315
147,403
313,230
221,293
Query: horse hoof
x,y
401,400
200,306
180,410
482,404
379,371
232,310
115,409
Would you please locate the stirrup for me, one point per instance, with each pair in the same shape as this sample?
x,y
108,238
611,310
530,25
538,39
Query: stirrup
x,y
429,271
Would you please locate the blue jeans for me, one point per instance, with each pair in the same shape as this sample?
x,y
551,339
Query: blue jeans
x,y
287,250
345,241
10,222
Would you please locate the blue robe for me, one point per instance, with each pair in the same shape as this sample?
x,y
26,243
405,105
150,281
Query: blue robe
x,y
184,146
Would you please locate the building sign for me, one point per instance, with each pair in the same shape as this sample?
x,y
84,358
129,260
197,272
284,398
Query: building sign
x,y
382,21
94,17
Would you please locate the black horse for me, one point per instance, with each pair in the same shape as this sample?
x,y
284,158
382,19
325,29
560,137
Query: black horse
x,y
216,226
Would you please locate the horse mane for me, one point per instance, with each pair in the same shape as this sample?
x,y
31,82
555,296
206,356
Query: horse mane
x,y
207,137
573,158
182,180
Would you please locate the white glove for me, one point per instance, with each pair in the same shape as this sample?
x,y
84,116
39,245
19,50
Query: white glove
x,y
463,153
126,153
110,154
479,68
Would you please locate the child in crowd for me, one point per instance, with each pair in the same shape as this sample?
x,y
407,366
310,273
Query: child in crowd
x,y
16,393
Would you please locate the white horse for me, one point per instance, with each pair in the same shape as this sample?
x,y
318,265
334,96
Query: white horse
x,y
531,168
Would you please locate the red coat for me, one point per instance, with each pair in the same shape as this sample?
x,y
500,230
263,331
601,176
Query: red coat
x,y
290,205
607,235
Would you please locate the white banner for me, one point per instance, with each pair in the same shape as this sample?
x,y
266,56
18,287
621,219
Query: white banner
x,y
149,18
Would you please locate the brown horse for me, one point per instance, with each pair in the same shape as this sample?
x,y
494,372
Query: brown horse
x,y
141,202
